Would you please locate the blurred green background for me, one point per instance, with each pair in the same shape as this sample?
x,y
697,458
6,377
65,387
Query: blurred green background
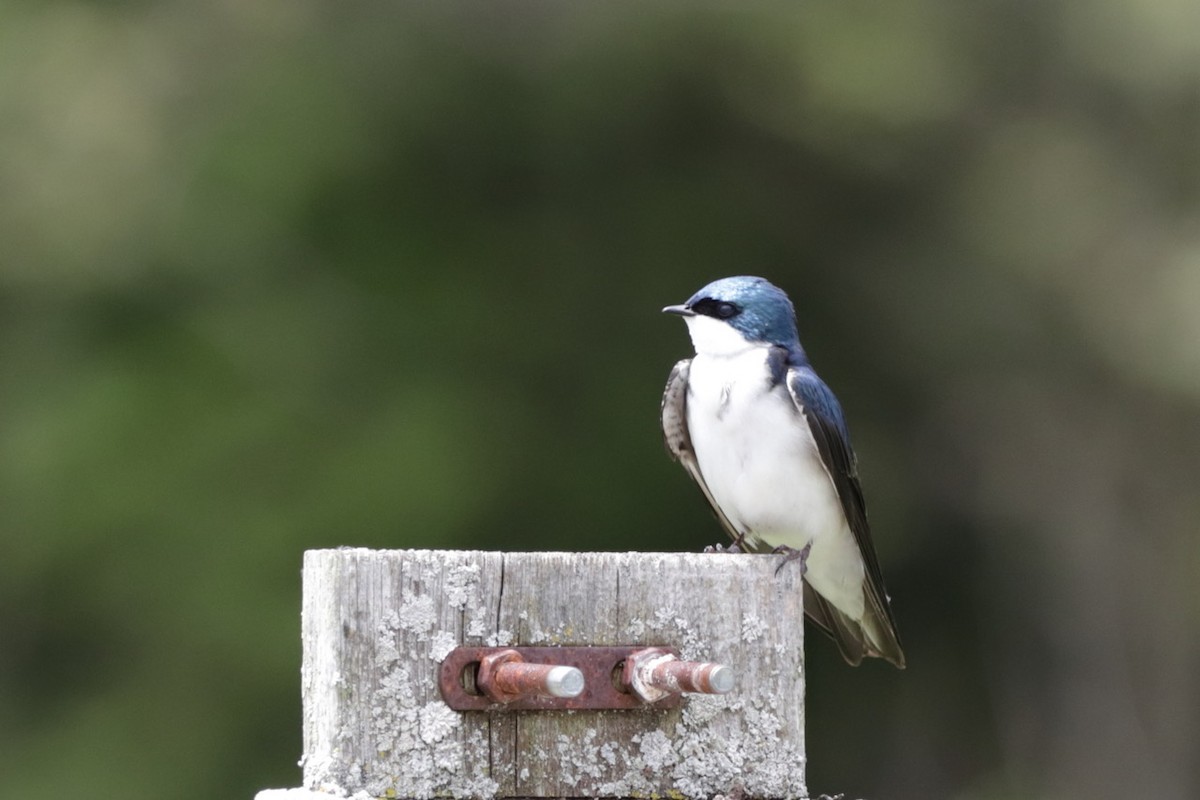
x,y
284,274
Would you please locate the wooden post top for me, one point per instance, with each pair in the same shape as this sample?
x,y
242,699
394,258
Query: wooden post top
x,y
378,624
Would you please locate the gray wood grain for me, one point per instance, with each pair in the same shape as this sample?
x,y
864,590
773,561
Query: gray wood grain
x,y
377,623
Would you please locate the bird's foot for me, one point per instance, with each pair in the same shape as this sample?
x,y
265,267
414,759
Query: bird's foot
x,y
792,554
737,546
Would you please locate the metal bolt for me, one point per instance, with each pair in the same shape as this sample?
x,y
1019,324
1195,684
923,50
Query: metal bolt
x,y
505,677
653,673
564,682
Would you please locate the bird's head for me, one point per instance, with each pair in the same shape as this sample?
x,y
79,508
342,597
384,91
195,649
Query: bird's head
x,y
731,314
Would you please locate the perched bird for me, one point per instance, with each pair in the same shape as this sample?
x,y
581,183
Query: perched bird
x,y
765,439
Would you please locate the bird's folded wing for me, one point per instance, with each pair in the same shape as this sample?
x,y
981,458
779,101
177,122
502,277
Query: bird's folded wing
x,y
823,414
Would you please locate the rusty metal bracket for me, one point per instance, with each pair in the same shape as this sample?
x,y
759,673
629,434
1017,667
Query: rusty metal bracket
x,y
603,668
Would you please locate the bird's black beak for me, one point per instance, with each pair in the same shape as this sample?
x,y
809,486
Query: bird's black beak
x,y
682,311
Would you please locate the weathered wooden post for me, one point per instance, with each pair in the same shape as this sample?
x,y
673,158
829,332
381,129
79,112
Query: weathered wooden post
x,y
378,626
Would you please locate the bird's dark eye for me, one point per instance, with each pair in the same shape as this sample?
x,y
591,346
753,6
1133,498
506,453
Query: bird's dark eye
x,y
716,308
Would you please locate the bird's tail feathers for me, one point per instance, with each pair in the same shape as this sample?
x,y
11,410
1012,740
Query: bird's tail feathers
x,y
874,636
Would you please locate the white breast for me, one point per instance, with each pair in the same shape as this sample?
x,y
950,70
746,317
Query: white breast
x,y
762,466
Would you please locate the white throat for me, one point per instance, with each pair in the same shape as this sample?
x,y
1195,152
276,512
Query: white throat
x,y
714,337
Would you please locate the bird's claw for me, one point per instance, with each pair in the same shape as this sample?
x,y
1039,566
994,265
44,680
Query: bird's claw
x,y
737,546
792,554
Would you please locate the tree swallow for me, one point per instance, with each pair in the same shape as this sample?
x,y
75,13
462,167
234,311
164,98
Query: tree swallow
x,y
765,439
